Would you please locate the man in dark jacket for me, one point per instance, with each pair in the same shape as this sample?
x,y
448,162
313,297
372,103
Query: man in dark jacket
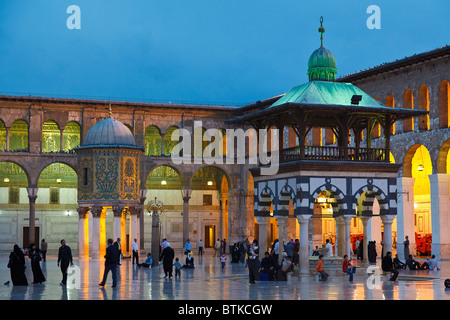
x,y
111,260
64,257
388,266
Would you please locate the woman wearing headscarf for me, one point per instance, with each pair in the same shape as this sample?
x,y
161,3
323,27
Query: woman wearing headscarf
x,y
17,267
189,262
35,257
167,256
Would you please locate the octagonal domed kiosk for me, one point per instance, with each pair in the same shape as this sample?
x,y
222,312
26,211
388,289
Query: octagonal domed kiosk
x,y
108,177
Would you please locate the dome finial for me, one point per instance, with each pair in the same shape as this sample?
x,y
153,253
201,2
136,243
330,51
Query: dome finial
x,y
321,31
109,110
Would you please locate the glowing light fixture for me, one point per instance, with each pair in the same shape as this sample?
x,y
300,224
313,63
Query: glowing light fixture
x,y
164,182
58,180
6,180
210,183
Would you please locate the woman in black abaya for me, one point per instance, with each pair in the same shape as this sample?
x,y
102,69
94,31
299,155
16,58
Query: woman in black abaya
x,y
17,267
35,257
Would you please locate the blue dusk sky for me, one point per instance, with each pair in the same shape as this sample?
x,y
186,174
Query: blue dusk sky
x,y
229,52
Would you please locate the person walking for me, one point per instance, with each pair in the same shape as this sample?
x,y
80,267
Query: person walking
x,y
224,246
134,246
200,248
119,244
44,247
166,257
64,258
187,247
253,253
223,260
111,260
177,266
16,267
217,248
388,266
329,246
35,257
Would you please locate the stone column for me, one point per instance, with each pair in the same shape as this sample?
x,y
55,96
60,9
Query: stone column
x,y
340,235
156,238
440,217
186,197
133,225
263,241
7,138
98,233
117,211
234,216
32,196
61,140
387,238
303,220
162,143
123,232
348,244
405,216
223,226
365,222
143,194
82,232
282,234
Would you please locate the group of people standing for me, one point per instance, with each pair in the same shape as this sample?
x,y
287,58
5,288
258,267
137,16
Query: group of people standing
x,y
17,263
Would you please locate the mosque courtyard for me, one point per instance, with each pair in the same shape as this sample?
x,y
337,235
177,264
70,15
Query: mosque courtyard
x,y
208,281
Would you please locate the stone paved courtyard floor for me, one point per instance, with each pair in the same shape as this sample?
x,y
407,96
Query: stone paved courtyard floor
x,y
208,281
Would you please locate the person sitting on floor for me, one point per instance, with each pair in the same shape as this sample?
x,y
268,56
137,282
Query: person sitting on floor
x,y
415,265
189,262
148,262
398,264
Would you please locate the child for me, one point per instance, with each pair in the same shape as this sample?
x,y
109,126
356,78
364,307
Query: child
x,y
323,276
348,268
223,259
177,266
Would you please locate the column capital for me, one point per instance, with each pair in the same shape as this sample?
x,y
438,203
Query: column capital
x,y
262,220
187,195
387,218
134,210
98,212
117,211
32,193
82,211
303,218
282,219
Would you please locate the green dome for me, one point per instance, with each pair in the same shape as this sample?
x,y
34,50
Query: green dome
x,y
322,65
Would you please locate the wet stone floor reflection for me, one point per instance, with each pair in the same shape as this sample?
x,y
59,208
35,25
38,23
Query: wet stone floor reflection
x,y
208,281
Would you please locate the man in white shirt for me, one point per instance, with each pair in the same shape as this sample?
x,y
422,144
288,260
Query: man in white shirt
x,y
329,246
216,248
432,263
134,246
200,248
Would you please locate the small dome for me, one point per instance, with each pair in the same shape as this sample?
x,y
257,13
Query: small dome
x,y
322,65
109,132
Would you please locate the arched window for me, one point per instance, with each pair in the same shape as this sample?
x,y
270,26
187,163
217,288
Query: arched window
x,y
71,136
51,137
424,104
152,141
408,103
444,104
18,136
